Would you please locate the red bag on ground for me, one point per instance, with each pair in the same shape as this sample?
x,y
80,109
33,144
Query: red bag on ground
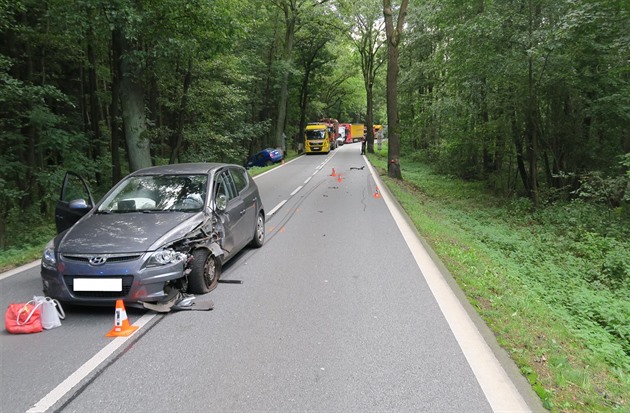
x,y
23,318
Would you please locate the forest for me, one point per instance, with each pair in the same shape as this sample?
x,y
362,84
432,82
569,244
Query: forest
x,y
508,122
530,96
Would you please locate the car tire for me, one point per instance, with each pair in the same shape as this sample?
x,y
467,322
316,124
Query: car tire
x,y
205,272
268,163
259,232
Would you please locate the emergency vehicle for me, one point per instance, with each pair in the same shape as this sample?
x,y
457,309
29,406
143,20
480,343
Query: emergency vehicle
x,y
317,138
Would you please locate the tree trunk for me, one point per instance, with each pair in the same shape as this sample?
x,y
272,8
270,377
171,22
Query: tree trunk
x,y
369,117
303,102
531,131
133,113
181,114
115,127
290,15
28,184
94,105
267,104
518,145
393,38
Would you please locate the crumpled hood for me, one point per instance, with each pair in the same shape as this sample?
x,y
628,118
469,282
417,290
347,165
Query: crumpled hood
x,y
127,232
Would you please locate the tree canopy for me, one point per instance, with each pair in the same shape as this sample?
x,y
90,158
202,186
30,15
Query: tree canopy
x,y
531,96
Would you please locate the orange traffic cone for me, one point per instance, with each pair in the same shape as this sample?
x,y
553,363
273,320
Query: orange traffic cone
x,y
333,173
377,194
122,328
339,178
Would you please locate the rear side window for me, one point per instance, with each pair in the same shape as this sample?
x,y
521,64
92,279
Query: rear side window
x,y
240,179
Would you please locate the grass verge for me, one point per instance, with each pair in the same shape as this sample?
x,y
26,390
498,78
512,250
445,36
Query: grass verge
x,y
28,250
553,285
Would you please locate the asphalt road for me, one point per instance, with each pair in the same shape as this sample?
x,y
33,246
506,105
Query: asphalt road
x,y
342,309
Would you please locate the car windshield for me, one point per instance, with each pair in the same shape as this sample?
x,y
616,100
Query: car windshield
x,y
153,193
314,134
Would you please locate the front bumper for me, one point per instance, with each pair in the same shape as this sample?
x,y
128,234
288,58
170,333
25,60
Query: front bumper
x,y
139,283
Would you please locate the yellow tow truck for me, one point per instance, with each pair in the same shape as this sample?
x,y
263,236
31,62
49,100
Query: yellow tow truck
x,y
316,138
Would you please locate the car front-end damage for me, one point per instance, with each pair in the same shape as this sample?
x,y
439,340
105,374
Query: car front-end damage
x,y
161,233
138,278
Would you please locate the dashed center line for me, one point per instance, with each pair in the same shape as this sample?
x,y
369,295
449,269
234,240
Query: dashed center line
x,y
296,190
276,208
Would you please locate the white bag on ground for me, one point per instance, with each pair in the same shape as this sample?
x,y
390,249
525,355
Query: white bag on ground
x,y
51,312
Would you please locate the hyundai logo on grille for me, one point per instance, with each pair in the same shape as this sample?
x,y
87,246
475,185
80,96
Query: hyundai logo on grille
x,y
98,260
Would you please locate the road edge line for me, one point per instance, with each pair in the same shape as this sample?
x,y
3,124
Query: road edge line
x,y
496,383
19,269
86,369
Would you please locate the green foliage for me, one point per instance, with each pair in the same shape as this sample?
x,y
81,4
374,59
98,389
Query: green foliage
x,y
34,108
487,82
553,283
607,190
25,253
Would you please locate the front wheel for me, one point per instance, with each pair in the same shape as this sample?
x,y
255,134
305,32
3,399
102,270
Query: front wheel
x,y
259,231
205,272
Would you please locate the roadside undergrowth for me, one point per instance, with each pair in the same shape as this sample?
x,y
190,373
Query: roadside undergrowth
x,y
28,247
553,284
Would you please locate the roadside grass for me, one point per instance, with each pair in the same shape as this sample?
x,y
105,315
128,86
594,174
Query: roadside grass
x,y
27,250
553,285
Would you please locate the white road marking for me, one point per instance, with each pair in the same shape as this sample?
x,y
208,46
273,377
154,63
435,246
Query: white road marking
x,y
499,389
276,208
88,367
20,269
296,190
82,372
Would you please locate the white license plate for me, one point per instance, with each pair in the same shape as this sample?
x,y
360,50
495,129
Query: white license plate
x,y
97,284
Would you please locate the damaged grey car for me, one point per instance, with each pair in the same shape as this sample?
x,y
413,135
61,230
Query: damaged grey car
x,y
160,230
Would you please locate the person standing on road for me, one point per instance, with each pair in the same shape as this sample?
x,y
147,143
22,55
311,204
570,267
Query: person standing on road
x,y
363,144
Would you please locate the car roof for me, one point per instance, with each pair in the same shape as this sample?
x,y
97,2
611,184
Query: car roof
x,y
182,168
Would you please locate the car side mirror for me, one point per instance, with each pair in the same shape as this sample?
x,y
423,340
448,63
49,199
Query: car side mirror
x,y
222,202
79,204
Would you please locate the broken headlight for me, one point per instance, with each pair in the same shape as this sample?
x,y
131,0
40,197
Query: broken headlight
x,y
166,256
49,261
